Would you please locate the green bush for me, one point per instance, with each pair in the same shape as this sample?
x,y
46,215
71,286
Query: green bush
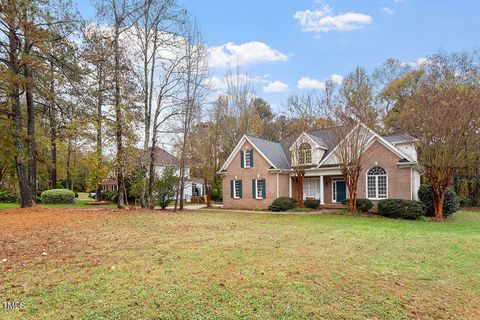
x,y
282,204
8,197
464,201
58,196
109,196
451,203
400,208
363,205
312,204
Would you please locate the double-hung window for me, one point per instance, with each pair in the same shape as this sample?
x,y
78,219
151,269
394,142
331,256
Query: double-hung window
x,y
377,183
237,189
259,189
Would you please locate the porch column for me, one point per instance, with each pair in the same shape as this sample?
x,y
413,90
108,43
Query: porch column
x,y
322,195
290,187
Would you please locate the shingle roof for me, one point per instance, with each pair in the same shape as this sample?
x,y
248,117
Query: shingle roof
x,y
272,150
161,157
393,139
324,137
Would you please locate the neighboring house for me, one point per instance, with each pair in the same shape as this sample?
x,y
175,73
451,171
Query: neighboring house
x,y
259,171
163,159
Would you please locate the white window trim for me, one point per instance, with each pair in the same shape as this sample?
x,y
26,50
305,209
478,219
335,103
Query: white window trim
x,y
256,189
235,195
248,151
376,184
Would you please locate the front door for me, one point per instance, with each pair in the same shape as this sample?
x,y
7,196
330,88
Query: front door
x,y
341,189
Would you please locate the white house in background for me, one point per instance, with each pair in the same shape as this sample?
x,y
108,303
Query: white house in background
x,y
163,159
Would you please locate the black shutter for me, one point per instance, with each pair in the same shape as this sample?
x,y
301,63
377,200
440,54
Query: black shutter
x,y
264,189
231,188
241,159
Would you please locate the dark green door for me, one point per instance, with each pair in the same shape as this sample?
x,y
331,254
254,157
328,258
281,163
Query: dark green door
x,y
341,191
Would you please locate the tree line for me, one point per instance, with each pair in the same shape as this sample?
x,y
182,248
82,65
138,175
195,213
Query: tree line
x,y
79,98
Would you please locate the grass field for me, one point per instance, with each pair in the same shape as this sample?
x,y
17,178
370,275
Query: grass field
x,y
77,204
105,264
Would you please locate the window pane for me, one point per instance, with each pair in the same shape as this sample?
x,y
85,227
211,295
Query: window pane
x,y
237,189
247,158
371,187
382,187
259,188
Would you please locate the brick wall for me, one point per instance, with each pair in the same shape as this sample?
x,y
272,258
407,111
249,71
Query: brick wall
x,y
258,171
399,183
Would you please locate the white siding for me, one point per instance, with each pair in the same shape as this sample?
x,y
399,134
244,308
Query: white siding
x,y
408,149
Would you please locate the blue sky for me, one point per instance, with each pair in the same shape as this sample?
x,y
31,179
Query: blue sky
x,y
287,46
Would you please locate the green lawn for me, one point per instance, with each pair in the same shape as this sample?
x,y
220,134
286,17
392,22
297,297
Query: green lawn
x,y
76,204
229,265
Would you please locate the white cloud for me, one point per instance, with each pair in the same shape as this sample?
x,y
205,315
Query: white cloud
x,y
314,84
309,83
420,62
276,86
387,10
231,54
336,78
324,20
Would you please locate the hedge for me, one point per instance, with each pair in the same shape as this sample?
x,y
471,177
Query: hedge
x,y
451,202
400,208
363,205
282,204
58,196
311,204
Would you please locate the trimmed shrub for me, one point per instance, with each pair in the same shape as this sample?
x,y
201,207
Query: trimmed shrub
x,y
311,204
8,197
58,196
451,203
282,204
400,208
363,205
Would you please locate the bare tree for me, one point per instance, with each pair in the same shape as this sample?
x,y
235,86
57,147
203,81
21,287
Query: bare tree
x,y
196,71
352,115
305,113
155,29
122,14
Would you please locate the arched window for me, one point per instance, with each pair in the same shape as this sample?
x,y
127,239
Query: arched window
x,y
305,154
377,183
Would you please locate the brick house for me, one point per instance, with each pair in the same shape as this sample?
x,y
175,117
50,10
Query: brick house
x,y
259,171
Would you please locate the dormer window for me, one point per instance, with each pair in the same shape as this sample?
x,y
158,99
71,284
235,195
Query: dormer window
x,y
305,154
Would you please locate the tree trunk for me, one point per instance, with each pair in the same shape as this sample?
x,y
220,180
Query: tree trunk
x,y
151,174
99,146
14,46
32,164
118,119
438,197
53,149
208,193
